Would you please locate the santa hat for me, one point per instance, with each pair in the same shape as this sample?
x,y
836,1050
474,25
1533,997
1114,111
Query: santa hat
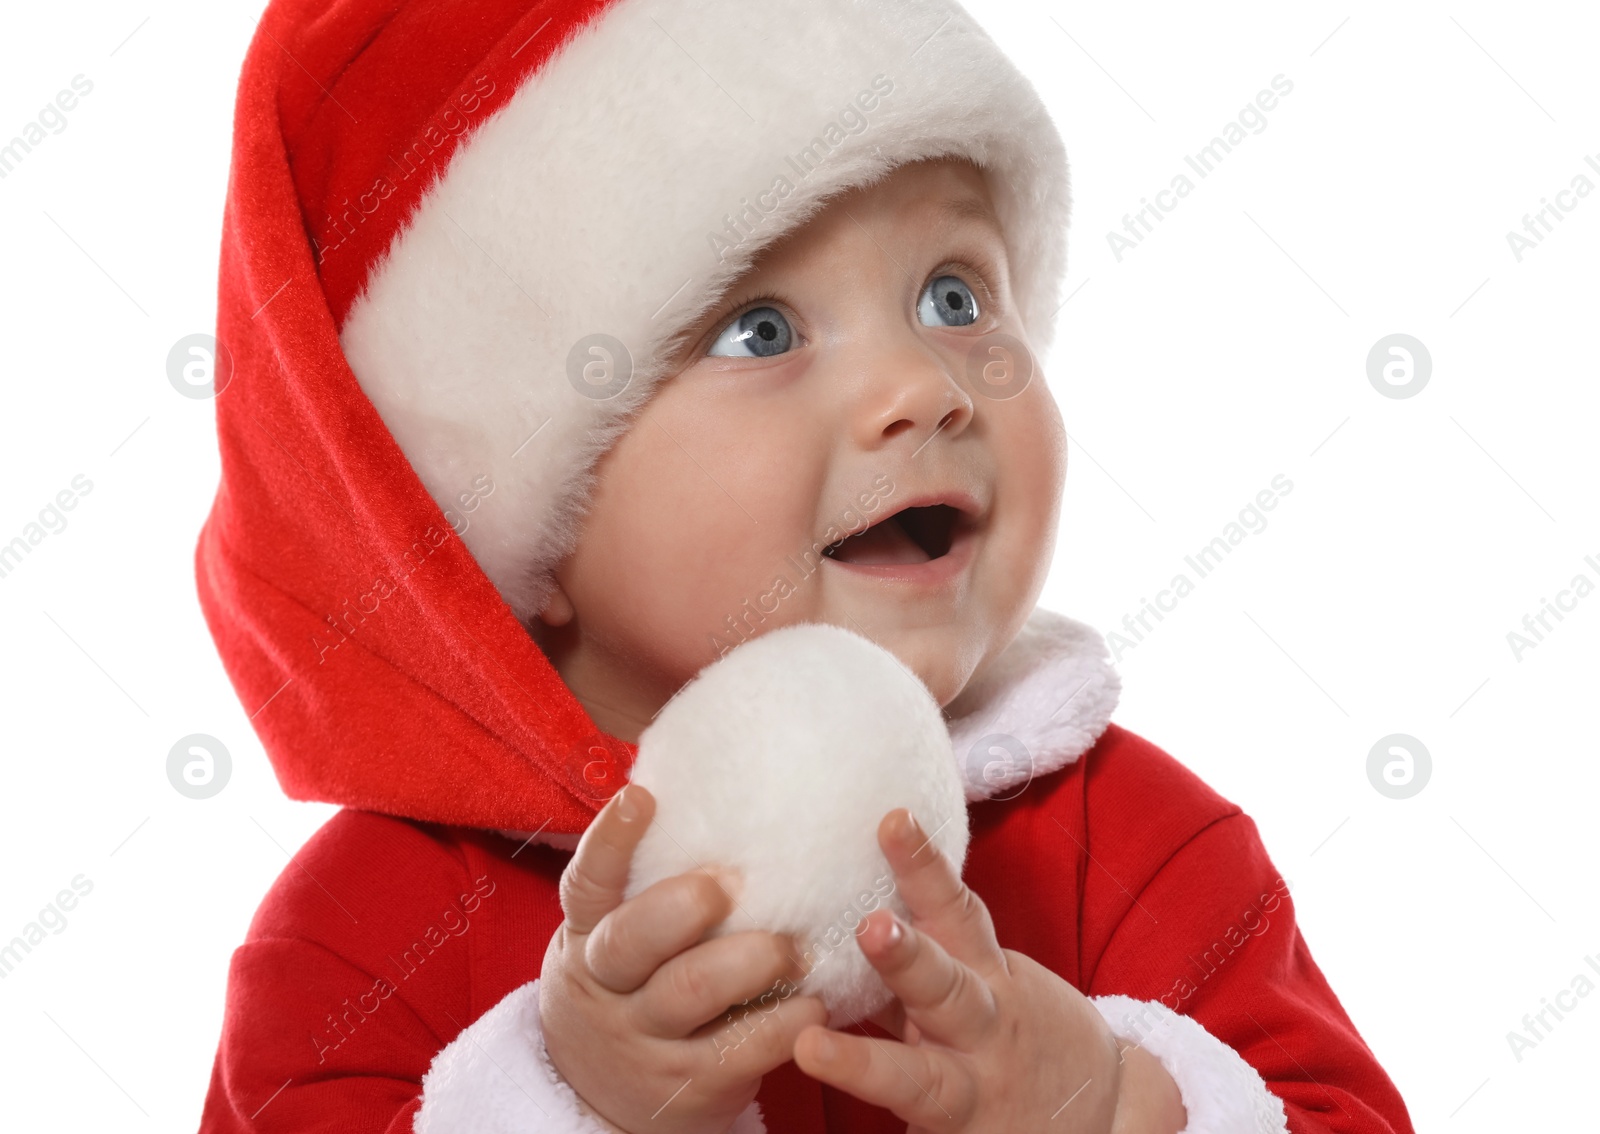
x,y
518,206
466,192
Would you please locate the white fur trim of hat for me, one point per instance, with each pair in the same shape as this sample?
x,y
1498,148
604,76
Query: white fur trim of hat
x,y
522,313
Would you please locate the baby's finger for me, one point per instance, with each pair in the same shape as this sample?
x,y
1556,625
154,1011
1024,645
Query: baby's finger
x,y
943,998
592,883
938,900
925,1087
637,937
699,983
892,1019
751,1040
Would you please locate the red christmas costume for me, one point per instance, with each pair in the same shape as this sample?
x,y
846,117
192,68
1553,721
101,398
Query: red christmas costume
x,y
368,632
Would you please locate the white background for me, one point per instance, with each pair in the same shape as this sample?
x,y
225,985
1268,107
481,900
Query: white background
x,y
1228,347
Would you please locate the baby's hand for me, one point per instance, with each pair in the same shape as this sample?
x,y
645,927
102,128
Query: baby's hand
x,y
989,1038
634,1011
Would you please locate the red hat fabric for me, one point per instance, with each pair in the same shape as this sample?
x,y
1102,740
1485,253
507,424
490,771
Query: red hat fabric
x,y
398,87
442,217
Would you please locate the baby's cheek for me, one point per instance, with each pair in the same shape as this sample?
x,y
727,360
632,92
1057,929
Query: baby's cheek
x,y
1033,451
1031,471
710,570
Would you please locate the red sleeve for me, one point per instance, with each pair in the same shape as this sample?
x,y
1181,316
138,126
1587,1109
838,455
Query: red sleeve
x,y
1212,935
346,986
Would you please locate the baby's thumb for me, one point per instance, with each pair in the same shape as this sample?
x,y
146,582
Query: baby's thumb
x,y
594,880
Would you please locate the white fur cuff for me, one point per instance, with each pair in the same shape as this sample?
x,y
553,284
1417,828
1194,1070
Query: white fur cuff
x,y
496,1078
1222,1093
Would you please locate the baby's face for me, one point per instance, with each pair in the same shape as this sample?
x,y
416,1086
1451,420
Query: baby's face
x,y
831,390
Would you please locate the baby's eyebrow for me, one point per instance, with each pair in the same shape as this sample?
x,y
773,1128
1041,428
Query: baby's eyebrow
x,y
970,209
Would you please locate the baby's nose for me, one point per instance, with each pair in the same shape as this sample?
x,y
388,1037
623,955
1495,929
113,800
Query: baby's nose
x,y
910,391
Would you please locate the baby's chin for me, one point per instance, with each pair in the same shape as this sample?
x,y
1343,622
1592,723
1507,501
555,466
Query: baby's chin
x,y
945,665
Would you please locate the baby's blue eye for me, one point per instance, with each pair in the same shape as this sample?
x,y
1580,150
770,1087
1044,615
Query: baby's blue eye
x,y
947,302
759,333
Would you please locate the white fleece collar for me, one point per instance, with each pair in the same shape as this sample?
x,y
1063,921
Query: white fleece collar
x,y
1041,704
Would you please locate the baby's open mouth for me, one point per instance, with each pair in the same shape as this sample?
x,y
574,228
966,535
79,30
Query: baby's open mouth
x,y
911,535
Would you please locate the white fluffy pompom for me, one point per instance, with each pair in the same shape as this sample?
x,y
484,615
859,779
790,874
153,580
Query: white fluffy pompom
x,y
780,759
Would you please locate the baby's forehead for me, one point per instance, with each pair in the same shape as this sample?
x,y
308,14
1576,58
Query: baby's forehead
x,y
934,197
953,187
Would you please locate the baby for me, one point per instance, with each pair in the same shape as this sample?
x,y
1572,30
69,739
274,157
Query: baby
x,y
527,426
840,359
